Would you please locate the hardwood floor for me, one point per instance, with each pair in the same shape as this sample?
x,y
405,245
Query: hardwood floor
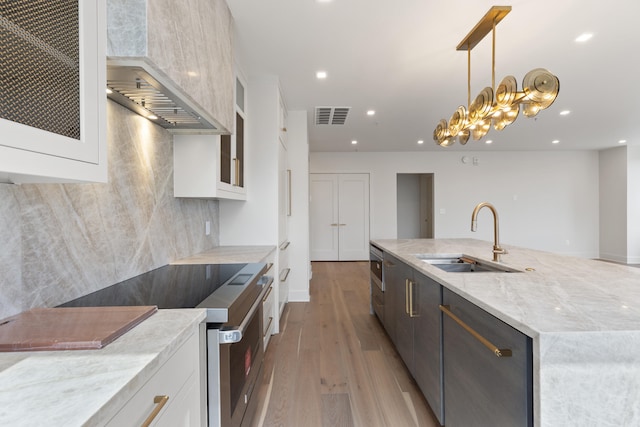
x,y
333,364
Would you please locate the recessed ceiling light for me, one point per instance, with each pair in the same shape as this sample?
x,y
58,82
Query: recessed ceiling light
x,y
489,141
420,142
192,73
555,141
565,112
584,37
622,141
321,75
371,112
354,142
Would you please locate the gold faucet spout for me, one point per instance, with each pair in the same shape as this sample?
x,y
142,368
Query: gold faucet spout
x,y
497,250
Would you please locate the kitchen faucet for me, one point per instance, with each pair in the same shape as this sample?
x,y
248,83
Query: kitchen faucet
x,y
497,250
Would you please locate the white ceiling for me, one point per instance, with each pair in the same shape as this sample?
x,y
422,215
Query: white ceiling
x,y
399,58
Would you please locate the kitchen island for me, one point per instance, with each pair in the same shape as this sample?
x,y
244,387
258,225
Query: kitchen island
x,y
583,317
89,387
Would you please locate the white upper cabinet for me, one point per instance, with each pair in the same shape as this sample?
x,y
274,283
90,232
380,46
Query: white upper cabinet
x,y
52,92
213,166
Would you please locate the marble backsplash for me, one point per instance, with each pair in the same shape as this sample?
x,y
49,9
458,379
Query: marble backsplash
x,y
61,241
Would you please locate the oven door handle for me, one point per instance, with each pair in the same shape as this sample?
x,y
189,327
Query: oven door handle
x,y
233,335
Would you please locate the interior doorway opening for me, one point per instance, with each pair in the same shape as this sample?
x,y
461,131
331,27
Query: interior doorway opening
x,y
415,206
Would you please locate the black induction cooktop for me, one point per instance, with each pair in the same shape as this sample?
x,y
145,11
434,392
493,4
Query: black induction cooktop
x,y
212,286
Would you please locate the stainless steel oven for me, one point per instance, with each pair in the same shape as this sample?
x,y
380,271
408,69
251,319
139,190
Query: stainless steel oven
x,y
232,296
376,281
234,362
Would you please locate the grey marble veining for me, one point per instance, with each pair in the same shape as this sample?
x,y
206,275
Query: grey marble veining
x,y
11,294
583,316
126,27
61,241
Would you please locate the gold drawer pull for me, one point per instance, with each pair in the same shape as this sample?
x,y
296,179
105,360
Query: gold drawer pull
x,y
159,401
267,295
499,352
264,334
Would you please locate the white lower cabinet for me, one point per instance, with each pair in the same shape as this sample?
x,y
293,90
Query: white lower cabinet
x,y
171,397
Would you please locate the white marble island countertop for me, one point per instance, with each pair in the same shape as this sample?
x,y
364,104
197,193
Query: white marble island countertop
x,y
87,387
583,316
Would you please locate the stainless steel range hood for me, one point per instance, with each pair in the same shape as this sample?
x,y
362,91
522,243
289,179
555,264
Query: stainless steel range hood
x,y
136,84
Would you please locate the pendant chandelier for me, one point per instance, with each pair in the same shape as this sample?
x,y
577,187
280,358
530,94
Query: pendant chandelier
x,y
498,107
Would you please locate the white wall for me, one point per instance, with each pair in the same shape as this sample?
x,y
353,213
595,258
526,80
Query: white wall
x,y
298,150
633,204
408,211
546,200
613,204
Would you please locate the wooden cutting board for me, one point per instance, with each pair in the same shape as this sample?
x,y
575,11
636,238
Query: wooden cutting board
x,y
69,328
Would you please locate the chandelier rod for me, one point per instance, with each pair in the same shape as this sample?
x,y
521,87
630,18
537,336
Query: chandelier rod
x,y
493,58
468,78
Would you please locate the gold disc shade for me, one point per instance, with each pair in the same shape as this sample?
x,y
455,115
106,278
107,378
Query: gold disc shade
x,y
498,107
540,89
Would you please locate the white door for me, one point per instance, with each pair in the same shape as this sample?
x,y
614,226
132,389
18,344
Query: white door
x,y
323,215
353,217
339,217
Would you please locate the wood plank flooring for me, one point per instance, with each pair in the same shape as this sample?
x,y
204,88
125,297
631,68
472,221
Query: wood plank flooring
x,y
332,363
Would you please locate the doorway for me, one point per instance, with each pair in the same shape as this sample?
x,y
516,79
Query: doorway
x,y
339,216
415,206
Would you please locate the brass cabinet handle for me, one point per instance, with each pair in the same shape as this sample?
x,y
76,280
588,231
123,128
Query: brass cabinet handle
x,y
412,312
499,352
334,224
408,297
389,264
286,272
264,334
288,189
267,295
159,401
269,265
285,245
236,162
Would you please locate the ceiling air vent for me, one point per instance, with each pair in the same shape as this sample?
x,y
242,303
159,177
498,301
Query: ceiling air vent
x,y
331,115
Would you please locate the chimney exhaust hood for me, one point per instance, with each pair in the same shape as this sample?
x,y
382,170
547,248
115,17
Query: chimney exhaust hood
x,y
150,52
136,85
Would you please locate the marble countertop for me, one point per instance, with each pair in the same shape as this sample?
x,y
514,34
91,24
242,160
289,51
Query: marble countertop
x,y
563,294
229,255
87,387
583,317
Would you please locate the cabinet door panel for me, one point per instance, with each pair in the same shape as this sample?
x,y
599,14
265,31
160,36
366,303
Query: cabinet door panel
x,y
481,388
391,278
404,301
428,342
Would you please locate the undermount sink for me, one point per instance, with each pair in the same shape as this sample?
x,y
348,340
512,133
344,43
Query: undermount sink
x,y
464,264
